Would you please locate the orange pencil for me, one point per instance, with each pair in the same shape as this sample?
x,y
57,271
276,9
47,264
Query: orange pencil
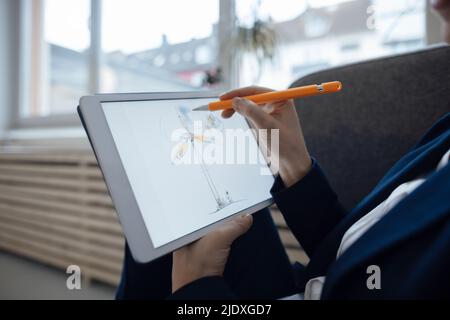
x,y
299,92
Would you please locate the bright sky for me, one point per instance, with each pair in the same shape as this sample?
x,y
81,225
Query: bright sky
x,y
136,25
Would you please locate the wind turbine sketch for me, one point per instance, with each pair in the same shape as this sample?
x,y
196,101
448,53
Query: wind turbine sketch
x,y
187,142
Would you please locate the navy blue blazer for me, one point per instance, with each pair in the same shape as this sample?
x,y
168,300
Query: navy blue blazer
x,y
410,245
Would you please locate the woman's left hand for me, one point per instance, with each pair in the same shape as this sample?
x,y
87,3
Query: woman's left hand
x,y
207,256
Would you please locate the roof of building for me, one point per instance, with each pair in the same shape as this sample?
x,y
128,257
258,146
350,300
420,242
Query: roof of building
x,y
345,18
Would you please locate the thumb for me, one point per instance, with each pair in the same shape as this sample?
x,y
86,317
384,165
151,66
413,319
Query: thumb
x,y
253,112
233,229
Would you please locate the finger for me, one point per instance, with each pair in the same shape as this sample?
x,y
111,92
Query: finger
x,y
228,113
243,92
250,110
233,229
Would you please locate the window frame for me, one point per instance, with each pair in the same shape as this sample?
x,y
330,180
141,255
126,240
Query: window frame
x,y
229,63
30,35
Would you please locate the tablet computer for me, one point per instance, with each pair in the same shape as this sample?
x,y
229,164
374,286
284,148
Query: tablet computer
x,y
174,174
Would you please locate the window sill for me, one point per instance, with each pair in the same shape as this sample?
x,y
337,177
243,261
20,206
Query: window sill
x,y
52,121
53,138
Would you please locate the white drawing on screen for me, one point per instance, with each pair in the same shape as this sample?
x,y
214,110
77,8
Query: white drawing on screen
x,y
187,141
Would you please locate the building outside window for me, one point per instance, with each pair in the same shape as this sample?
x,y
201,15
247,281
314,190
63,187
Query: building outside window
x,y
144,52
144,46
80,47
313,35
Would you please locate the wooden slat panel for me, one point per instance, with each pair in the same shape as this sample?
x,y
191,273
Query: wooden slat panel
x,y
297,255
288,239
59,157
51,169
293,248
48,257
55,208
58,195
51,243
71,221
97,253
53,182
96,231
278,217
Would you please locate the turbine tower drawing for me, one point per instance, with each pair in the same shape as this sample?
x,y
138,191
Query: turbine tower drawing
x,y
187,142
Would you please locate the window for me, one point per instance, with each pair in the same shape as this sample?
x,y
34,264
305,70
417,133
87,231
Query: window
x,y
80,47
316,34
58,56
144,41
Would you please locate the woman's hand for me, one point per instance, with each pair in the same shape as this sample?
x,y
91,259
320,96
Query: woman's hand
x,y
294,159
207,256
443,8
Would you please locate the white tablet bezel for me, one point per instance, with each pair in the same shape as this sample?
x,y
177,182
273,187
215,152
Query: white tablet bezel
x,y
100,136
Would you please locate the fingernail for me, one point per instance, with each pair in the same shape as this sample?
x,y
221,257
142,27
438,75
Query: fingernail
x,y
438,4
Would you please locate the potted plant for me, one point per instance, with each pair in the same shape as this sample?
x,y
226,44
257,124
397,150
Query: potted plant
x,y
258,40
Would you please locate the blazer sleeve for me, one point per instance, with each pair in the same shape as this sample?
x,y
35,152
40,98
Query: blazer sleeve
x,y
310,207
208,288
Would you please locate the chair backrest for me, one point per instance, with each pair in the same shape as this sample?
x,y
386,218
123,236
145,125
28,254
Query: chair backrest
x,y
384,108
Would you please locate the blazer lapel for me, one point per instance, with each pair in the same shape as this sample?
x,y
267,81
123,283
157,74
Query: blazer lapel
x,y
417,162
417,211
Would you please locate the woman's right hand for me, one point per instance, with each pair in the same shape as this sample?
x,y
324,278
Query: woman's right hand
x,y
294,159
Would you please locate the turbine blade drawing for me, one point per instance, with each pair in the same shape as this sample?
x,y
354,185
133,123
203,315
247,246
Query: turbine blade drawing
x,y
189,143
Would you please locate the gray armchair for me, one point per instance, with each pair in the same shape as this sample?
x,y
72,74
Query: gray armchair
x,y
384,108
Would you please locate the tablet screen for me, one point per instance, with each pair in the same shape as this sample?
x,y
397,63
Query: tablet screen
x,y
188,169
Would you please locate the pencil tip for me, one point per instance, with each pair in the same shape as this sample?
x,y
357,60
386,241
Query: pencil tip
x,y
201,108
